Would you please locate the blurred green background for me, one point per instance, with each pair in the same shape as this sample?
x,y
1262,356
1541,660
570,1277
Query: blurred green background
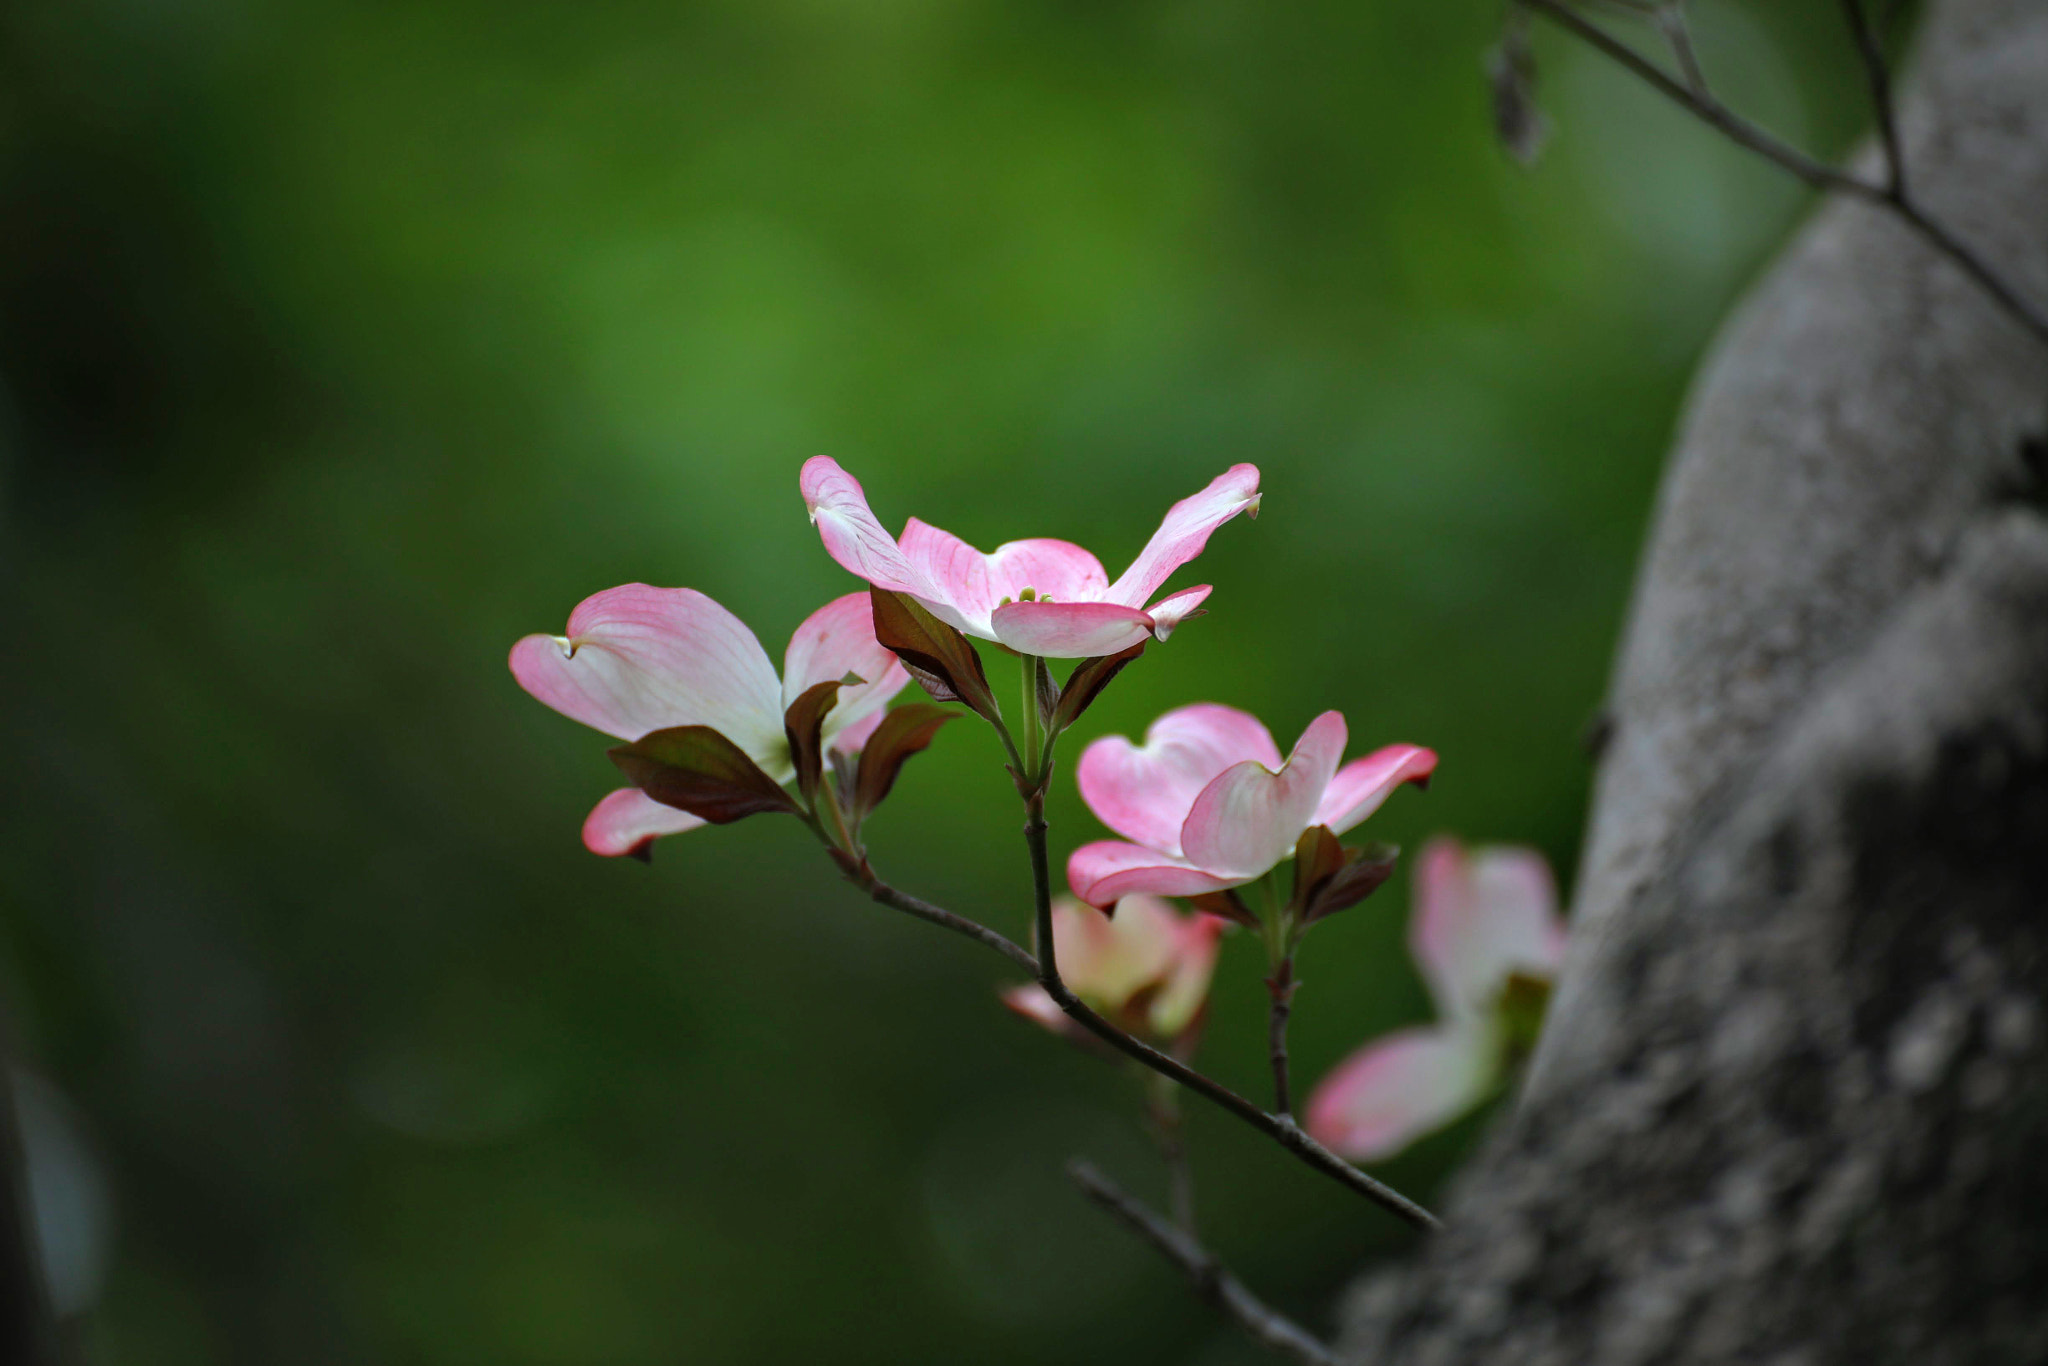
x,y
343,343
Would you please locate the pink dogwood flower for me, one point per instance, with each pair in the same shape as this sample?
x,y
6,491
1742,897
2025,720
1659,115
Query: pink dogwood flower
x,y
1484,923
1208,803
640,659
1039,597
1147,970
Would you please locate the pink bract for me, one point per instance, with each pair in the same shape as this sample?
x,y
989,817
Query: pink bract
x,y
1148,969
1039,597
638,659
1479,917
1208,803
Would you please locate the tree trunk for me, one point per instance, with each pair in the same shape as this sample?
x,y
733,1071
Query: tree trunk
x,y
1792,1102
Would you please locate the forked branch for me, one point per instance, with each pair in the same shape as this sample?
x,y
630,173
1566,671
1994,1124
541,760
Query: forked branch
x,y
1691,91
1211,1280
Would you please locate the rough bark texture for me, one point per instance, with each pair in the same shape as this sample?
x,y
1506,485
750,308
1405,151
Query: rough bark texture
x,y
1792,1104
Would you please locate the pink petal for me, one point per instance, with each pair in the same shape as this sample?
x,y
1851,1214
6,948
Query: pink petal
x,y
638,659
1176,608
1396,1089
836,640
1148,947
851,534
1363,784
1069,630
1144,792
629,818
976,584
1031,1001
1249,817
1187,986
956,570
853,737
1480,917
1109,961
1059,570
1102,872
1186,530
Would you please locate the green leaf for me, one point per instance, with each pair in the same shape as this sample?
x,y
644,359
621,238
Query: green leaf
x,y
804,724
938,656
1086,683
903,732
1519,1010
695,769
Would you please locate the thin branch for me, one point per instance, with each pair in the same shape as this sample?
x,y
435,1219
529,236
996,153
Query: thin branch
x,y
1708,108
958,924
1211,1281
1169,1132
1705,106
1678,37
1280,1128
1880,79
1281,986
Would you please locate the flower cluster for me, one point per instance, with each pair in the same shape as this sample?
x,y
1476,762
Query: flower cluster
x,y
1486,934
1147,969
1207,807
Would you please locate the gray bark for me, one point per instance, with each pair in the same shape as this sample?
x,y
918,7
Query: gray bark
x,y
1792,1103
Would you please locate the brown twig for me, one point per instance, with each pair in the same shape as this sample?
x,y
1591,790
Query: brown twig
x,y
1169,1133
1891,195
1281,987
1280,1128
1211,1281
1878,74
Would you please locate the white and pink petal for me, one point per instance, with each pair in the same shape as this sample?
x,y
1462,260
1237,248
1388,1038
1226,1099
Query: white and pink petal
x,y
836,640
1185,531
626,820
1105,871
839,508
1144,792
1170,611
1363,785
1248,818
1481,916
1069,630
639,659
1398,1088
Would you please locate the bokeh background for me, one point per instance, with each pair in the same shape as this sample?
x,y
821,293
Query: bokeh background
x,y
343,343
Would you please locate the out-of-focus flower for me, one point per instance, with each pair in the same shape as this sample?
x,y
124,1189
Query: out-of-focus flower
x,y
1486,934
1147,970
1209,803
638,660
1039,597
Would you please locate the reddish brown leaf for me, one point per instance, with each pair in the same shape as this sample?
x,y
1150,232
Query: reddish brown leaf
x,y
1086,683
804,724
1364,872
903,732
698,770
1226,904
937,655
